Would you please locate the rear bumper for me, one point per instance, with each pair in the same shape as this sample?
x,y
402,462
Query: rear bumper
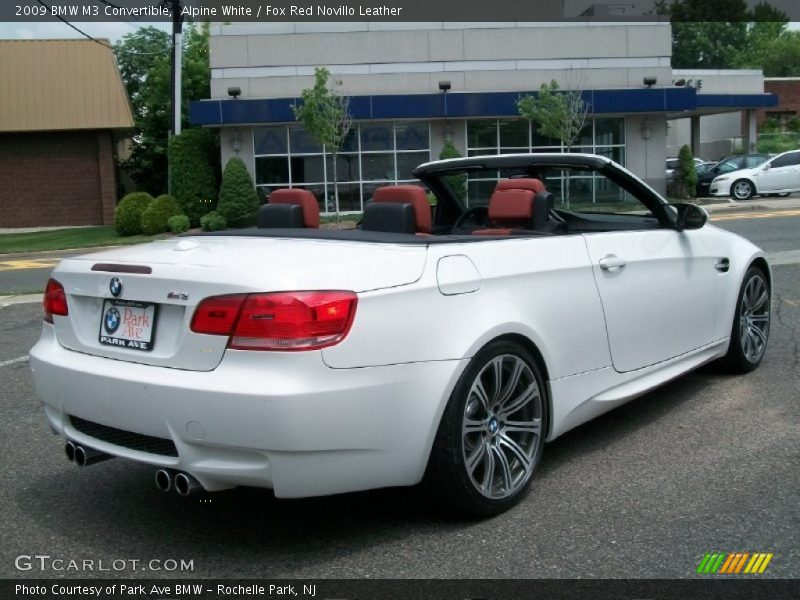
x,y
279,420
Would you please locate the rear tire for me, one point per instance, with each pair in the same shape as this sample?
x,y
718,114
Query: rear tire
x,y
491,435
741,189
750,329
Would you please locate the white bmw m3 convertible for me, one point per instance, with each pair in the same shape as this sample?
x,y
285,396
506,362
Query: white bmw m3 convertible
x,y
464,323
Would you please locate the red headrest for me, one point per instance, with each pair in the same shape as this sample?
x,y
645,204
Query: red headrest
x,y
411,194
511,207
306,200
521,183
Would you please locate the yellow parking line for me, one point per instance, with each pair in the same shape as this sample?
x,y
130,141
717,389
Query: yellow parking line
x,y
756,215
15,265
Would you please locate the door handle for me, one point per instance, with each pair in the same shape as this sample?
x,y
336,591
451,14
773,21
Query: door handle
x,y
612,261
722,265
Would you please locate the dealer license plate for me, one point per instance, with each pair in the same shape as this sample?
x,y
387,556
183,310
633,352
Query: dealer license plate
x,y
128,324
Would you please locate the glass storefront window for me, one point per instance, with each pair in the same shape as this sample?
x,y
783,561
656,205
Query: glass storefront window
x,y
380,152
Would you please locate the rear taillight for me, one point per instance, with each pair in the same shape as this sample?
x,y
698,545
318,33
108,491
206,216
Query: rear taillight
x,y
55,301
278,321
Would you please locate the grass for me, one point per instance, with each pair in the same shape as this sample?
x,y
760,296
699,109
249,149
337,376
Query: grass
x,y
63,239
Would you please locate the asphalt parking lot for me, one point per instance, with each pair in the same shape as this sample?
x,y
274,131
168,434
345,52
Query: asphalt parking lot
x,y
707,463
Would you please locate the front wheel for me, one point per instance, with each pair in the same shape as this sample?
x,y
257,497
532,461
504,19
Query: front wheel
x,y
491,436
750,330
742,189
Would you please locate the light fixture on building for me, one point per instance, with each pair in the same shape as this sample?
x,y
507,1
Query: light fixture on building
x,y
236,141
234,92
647,129
649,81
444,86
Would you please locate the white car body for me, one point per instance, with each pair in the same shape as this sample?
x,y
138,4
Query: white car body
x,y
363,413
779,175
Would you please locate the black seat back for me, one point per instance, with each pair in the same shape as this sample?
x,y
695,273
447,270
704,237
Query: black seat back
x,y
392,217
280,215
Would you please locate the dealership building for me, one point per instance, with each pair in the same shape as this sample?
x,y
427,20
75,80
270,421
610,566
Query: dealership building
x,y
412,86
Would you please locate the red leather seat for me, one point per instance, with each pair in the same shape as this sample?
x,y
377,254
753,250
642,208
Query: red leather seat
x,y
509,209
305,199
408,194
521,183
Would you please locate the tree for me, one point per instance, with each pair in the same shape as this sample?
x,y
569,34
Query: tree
x,y
238,202
687,172
558,114
193,158
747,39
781,57
144,61
458,183
325,114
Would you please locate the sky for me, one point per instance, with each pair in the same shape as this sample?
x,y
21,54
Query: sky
x,y
57,30
112,31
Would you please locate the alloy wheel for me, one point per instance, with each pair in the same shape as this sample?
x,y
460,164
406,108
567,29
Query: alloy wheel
x,y
754,318
501,427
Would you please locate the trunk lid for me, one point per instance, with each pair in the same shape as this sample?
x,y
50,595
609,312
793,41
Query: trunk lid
x,y
183,272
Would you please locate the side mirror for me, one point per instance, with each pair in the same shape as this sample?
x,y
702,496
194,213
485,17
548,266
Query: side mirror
x,y
765,167
715,170
690,216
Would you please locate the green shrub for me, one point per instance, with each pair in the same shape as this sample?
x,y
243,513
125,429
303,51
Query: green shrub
x,y
178,224
128,214
193,158
213,221
687,172
155,217
458,183
238,201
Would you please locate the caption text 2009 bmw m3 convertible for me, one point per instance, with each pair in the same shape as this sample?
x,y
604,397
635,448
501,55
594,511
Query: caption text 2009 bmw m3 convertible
x,y
439,342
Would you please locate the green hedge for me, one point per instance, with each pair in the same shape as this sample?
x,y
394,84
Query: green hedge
x,y
193,155
155,217
178,224
213,221
128,214
238,201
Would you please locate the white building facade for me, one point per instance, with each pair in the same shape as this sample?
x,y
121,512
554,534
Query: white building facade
x,y
395,74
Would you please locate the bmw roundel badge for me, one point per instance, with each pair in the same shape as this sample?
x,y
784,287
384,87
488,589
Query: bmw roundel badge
x,y
111,320
115,286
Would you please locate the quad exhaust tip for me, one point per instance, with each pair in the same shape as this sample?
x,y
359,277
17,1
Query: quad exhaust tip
x,y
83,456
186,485
183,483
89,456
69,450
163,480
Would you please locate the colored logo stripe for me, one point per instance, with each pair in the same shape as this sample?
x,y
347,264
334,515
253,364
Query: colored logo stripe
x,y
729,563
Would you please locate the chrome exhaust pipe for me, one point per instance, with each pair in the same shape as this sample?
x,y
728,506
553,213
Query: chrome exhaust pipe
x,y
89,456
186,485
69,450
163,480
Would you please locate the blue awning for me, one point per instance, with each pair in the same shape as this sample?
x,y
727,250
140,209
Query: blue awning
x,y
474,104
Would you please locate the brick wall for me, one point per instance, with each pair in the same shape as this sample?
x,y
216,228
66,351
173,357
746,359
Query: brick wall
x,y
56,178
788,93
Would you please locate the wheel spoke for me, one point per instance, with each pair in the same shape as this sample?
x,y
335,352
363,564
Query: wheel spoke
x,y
480,393
478,455
488,472
517,450
497,372
531,392
505,467
533,426
511,385
758,336
762,318
761,301
472,426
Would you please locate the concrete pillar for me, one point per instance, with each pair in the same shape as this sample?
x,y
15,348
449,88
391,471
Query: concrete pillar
x,y
750,133
695,135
